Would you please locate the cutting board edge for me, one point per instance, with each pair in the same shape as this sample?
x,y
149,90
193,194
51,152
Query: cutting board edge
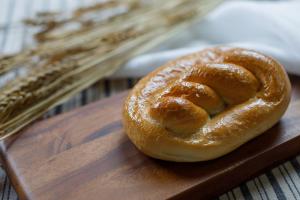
x,y
12,176
190,193
4,159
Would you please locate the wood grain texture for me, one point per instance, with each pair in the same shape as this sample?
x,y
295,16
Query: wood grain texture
x,y
84,154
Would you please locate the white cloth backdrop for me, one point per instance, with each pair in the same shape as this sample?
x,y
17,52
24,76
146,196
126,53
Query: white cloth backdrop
x,y
272,28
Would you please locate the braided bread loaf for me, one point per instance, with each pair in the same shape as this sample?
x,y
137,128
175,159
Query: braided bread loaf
x,y
204,105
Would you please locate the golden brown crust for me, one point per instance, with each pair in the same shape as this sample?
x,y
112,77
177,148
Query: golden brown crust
x,y
204,105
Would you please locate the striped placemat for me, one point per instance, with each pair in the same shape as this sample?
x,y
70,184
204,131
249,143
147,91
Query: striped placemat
x,y
282,182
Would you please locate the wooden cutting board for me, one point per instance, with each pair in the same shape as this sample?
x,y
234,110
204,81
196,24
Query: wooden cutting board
x,y
84,154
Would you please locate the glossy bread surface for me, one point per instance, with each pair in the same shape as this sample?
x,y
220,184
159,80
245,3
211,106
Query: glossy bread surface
x,y
204,105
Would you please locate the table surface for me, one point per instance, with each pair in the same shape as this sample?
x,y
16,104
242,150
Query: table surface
x,y
281,182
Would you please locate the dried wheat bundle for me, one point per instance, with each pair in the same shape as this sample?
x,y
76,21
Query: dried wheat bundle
x,y
74,52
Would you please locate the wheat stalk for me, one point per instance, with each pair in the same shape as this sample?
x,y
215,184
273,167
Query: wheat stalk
x,y
65,62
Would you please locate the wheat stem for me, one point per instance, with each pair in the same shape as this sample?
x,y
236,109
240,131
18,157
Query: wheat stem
x,y
69,61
